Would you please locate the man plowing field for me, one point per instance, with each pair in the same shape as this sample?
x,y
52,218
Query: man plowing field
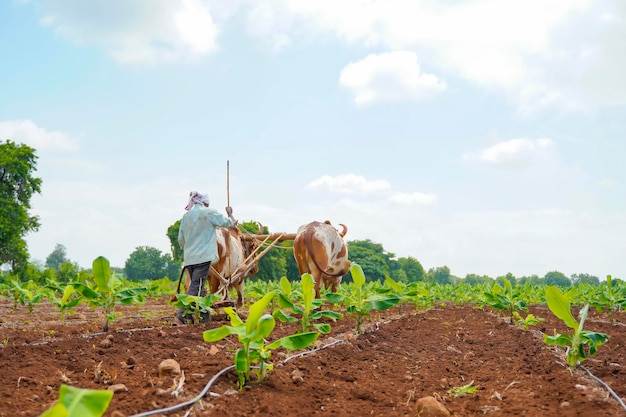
x,y
197,238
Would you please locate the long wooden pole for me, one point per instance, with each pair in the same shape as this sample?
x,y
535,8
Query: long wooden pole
x,y
228,185
228,205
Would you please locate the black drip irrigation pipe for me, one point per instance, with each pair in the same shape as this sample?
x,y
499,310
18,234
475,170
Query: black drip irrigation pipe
x,y
190,402
207,387
606,386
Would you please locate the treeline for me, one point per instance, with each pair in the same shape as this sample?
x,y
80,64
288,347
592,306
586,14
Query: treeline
x,y
150,263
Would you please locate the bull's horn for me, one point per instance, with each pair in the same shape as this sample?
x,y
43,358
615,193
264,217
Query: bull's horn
x,y
261,228
344,231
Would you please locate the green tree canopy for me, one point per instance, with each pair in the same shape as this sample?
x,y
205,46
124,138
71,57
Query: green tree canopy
x,y
17,186
372,258
57,257
149,263
474,279
509,276
172,234
440,275
557,278
585,279
412,268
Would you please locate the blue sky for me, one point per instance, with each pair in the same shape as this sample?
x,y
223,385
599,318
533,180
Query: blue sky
x,y
483,135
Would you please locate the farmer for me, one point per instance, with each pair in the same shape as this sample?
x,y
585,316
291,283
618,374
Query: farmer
x,y
197,239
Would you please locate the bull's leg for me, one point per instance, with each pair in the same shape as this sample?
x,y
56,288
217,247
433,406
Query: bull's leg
x,y
317,278
239,288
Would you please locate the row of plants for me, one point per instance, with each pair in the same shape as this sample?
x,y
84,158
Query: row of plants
x,y
296,303
104,289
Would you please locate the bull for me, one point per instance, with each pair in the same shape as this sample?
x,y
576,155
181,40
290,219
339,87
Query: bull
x,y
320,250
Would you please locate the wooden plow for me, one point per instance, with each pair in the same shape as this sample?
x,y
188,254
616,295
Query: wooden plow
x,y
248,263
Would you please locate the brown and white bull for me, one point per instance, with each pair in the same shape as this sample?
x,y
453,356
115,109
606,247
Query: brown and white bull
x,y
236,261
320,250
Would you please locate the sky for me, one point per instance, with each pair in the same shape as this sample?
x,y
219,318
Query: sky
x,y
481,135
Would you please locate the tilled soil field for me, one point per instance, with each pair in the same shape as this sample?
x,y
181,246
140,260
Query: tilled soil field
x,y
401,356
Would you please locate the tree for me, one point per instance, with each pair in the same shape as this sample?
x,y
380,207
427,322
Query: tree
x,y
509,276
172,234
474,279
57,257
533,280
578,279
557,278
17,186
411,267
440,275
371,257
149,263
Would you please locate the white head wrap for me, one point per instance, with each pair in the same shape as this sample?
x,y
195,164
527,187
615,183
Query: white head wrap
x,y
197,198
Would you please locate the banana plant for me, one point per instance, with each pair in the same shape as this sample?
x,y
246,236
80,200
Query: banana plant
x,y
25,296
574,343
358,302
307,310
196,305
609,298
505,299
110,290
251,334
80,402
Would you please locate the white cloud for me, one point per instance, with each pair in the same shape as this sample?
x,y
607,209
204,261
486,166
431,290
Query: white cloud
x,y
137,32
350,184
514,153
196,26
533,52
27,132
389,76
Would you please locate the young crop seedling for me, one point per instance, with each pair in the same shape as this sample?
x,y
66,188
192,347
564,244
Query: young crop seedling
x,y
525,323
307,310
358,303
505,298
79,402
110,290
22,294
609,299
576,342
252,335
196,305
464,390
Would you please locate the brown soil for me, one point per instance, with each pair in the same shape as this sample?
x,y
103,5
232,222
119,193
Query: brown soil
x,y
401,356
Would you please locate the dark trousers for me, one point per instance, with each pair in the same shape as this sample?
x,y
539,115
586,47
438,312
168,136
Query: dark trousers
x,y
197,286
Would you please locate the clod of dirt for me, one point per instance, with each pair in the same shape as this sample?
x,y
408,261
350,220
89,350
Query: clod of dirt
x,y
297,376
169,367
105,343
430,407
214,350
118,388
230,392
